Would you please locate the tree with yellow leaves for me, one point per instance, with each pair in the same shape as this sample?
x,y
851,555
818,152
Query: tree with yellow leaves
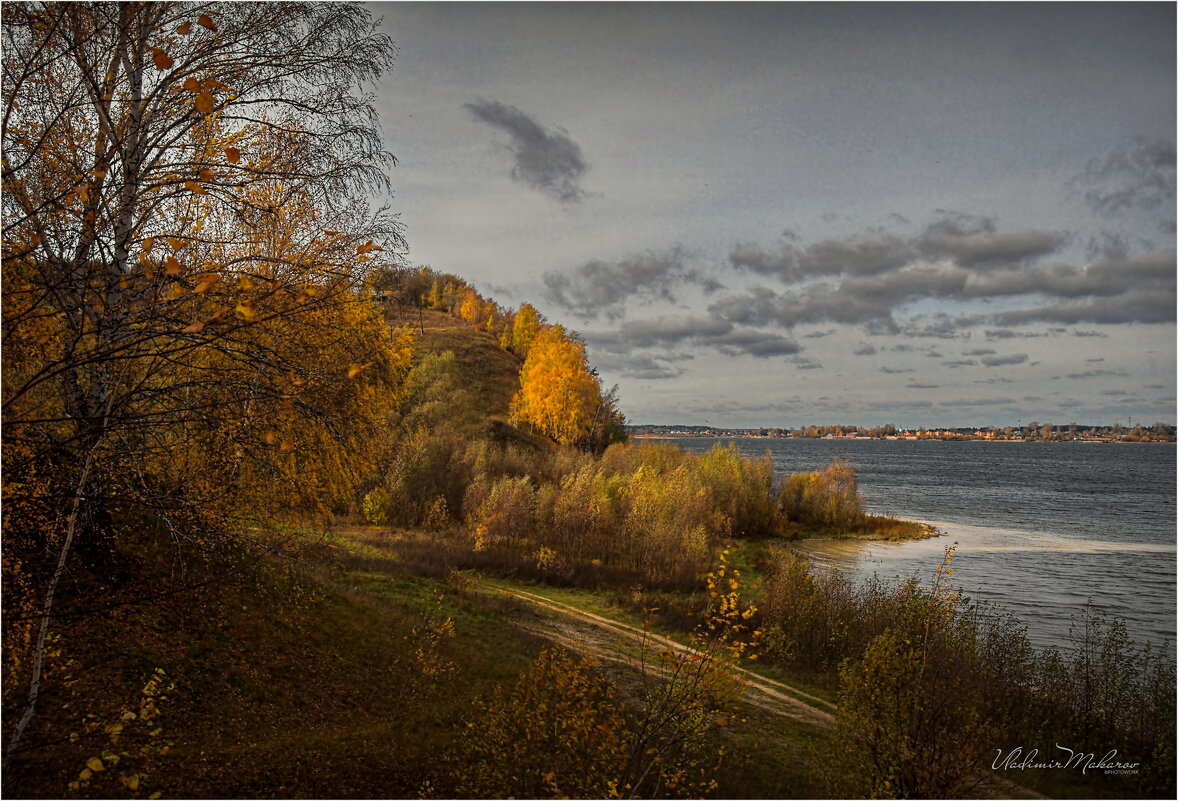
x,y
524,329
185,242
558,395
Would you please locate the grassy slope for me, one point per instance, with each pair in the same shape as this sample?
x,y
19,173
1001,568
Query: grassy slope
x,y
293,677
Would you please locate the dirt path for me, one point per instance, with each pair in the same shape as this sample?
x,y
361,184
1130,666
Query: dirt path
x,y
584,631
768,694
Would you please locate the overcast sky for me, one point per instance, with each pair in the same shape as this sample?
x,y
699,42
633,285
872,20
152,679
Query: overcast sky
x,y
785,214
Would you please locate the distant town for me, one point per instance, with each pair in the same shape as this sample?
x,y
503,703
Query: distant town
x,y
1032,432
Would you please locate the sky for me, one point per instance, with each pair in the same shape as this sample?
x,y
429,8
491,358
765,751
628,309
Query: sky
x,y
784,214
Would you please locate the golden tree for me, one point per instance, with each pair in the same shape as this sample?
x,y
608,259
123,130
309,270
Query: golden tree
x,y
185,242
524,329
558,394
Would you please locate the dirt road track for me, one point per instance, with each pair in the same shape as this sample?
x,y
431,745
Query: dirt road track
x,y
582,630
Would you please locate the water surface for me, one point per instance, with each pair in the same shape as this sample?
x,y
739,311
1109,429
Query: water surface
x,y
1044,528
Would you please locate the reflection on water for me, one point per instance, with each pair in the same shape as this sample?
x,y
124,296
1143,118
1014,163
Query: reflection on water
x,y
1044,528
1043,579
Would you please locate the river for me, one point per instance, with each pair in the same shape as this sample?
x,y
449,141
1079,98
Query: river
x,y
1044,528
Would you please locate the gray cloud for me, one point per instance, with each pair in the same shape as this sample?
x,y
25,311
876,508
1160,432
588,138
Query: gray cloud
x,y
971,241
979,352
961,363
867,279
804,363
1138,306
896,370
1003,361
1135,176
598,288
663,332
1006,333
979,402
1097,374
865,254
922,386
865,349
545,160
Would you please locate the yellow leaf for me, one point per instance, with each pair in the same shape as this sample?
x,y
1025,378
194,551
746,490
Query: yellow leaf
x,y
185,29
192,85
233,155
330,233
83,192
204,281
85,774
206,174
132,781
356,369
204,103
206,21
171,266
176,292
213,83
162,60
286,445
245,283
244,312
195,188
193,328
95,764
176,243
218,314
148,244
123,282
269,438
34,239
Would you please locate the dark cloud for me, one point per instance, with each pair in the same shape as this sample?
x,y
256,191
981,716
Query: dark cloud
x,y
1003,361
865,349
598,288
1136,176
1006,333
804,363
545,160
869,278
979,402
670,332
970,241
865,254
961,363
819,334
979,352
1089,334
922,386
932,354
1138,306
1097,374
896,370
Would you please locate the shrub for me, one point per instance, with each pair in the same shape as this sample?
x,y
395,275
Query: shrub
x,y
911,718
828,498
560,733
376,505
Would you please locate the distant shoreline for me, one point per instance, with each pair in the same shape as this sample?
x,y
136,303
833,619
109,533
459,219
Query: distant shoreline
x,y
955,438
